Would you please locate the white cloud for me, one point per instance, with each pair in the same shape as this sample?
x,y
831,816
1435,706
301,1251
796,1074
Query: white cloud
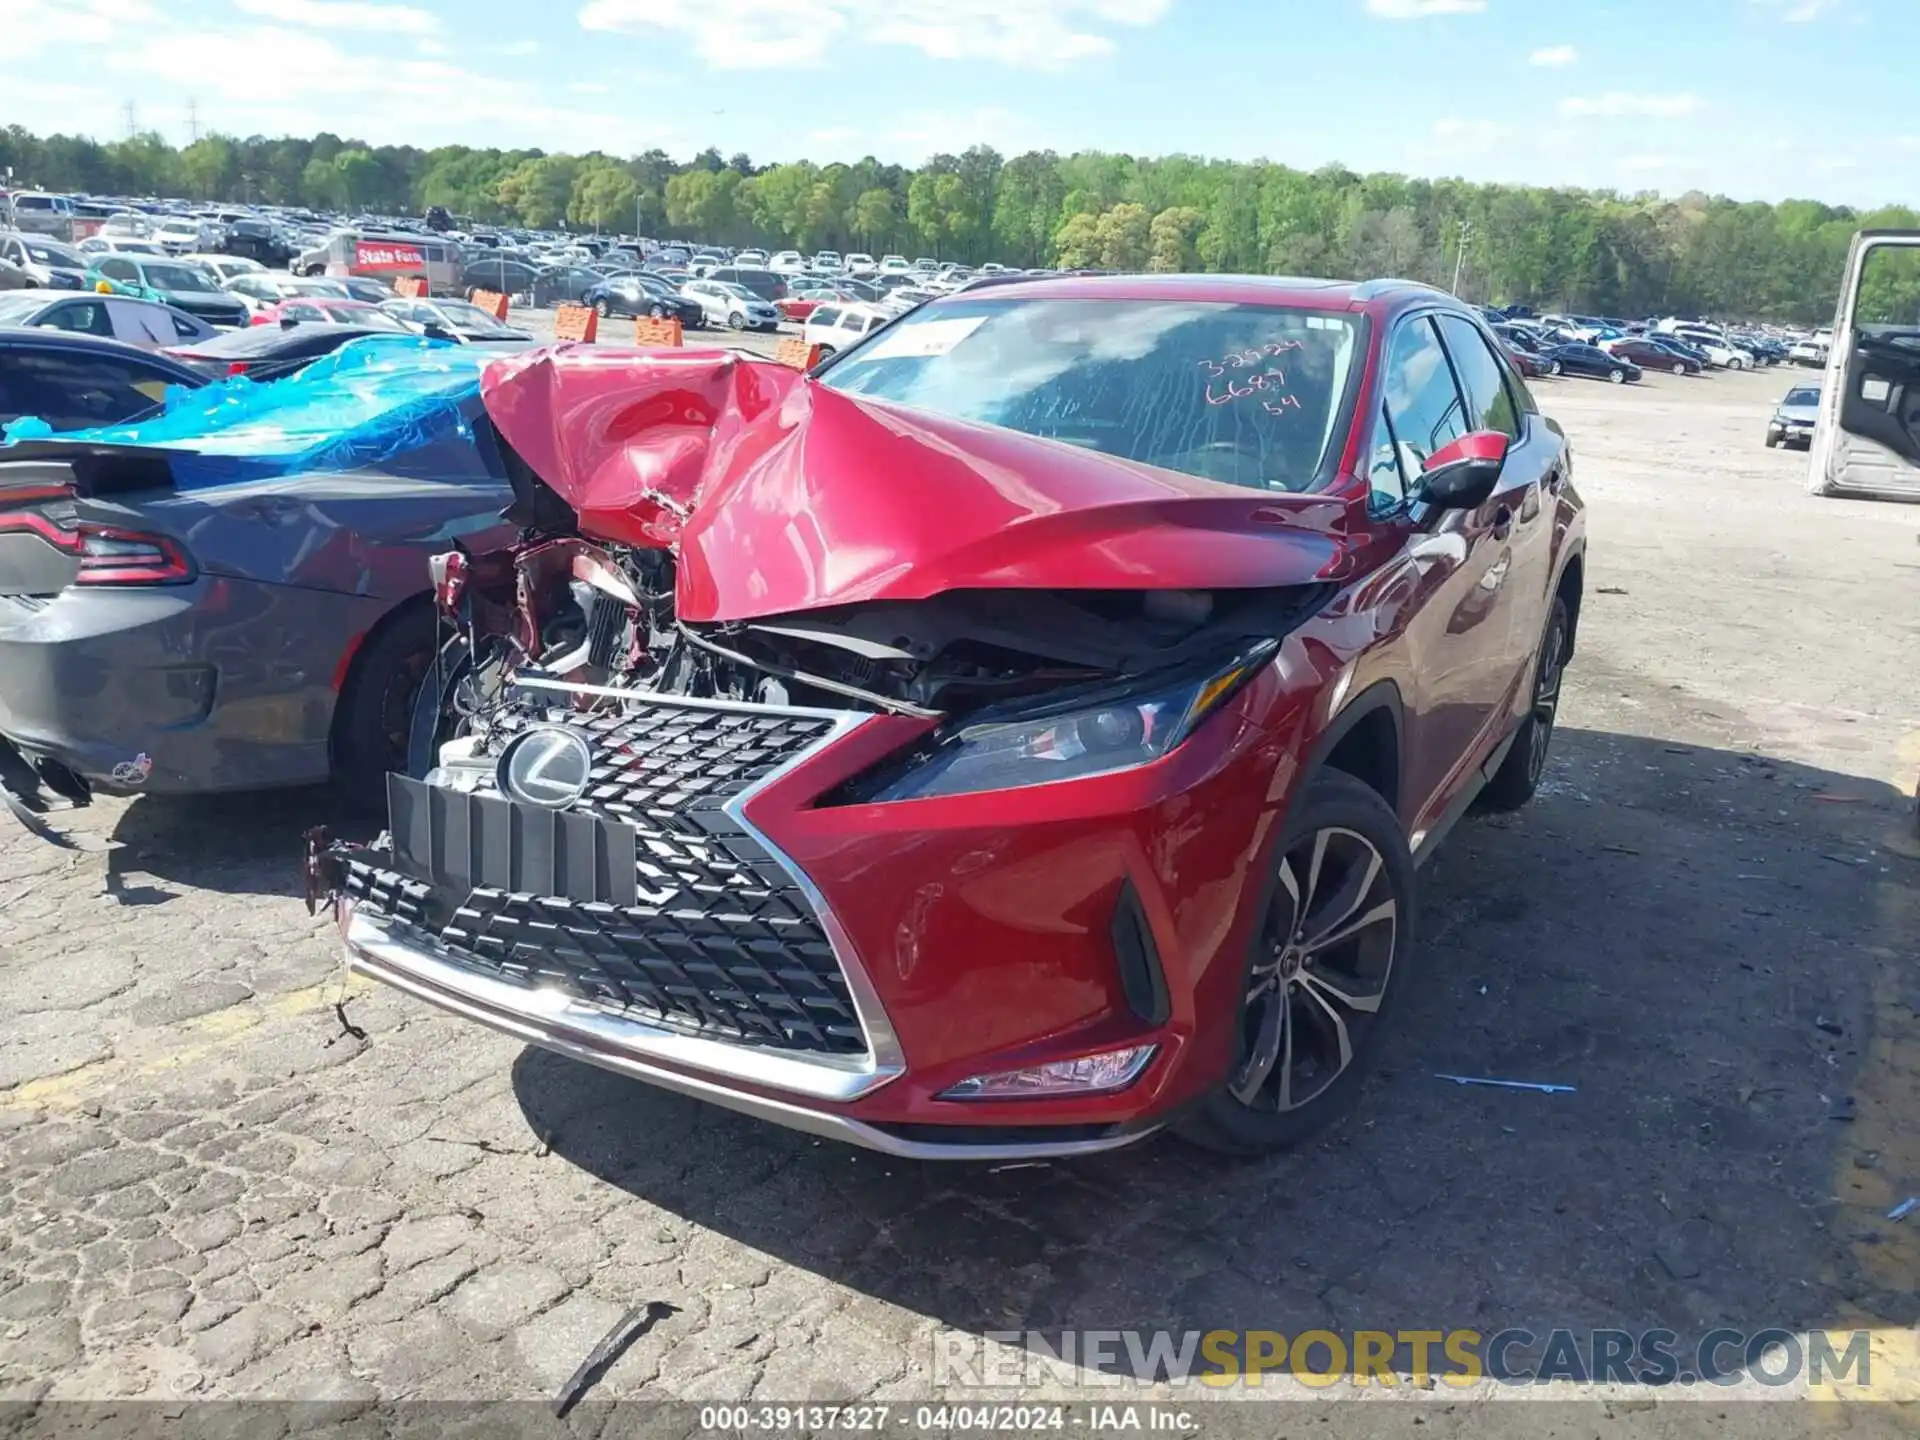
x,y
30,26
769,34
518,48
362,15
1420,9
1554,56
315,83
1620,104
1800,12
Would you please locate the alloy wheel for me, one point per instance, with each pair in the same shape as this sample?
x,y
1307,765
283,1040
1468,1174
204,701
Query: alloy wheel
x,y
1679,368
1546,692
1555,368
605,307
1618,377
1327,955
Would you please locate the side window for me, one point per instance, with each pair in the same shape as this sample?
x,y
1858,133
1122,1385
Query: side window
x,y
1423,405
1489,405
72,391
826,317
184,328
87,317
1384,480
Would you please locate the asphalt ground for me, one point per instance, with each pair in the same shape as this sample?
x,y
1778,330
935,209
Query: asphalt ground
x,y
231,1172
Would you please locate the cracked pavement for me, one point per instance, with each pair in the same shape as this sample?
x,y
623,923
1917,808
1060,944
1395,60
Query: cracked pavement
x,y
229,1172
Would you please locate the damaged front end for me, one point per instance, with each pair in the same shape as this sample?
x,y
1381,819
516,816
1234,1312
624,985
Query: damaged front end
x,y
675,709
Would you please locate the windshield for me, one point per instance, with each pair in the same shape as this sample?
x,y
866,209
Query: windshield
x,y
178,277
1802,395
739,292
1242,394
54,255
14,309
471,319
331,288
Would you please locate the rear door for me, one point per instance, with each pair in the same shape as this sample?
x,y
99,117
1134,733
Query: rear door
x,y
1867,441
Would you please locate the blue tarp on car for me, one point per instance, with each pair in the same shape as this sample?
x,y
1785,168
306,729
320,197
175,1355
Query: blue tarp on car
x,y
366,402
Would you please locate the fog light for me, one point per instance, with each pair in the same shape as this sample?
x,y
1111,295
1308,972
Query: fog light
x,y
1088,1075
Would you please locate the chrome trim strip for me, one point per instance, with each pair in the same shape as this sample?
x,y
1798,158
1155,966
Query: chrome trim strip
x,y
687,702
626,1047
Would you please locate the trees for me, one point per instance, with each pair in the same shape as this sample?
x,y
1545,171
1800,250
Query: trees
x,y
1555,248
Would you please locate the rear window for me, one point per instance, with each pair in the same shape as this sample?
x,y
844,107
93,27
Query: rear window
x,y
1247,395
258,340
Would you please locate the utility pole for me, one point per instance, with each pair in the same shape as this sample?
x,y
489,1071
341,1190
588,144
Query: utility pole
x,y
193,120
132,127
1460,255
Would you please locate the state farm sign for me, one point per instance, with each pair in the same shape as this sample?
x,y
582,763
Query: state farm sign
x,y
382,255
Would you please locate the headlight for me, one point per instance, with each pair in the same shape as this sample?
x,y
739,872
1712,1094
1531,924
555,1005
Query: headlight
x,y
1096,732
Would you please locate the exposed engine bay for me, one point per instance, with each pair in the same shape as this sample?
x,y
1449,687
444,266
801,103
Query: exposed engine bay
x,y
594,596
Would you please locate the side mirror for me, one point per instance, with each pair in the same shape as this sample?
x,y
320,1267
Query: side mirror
x,y
1462,475
287,322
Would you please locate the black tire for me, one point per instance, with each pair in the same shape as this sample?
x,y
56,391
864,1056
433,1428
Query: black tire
x,y
1554,367
1618,377
1288,1008
825,350
656,312
1519,774
1679,367
605,307
737,320
1773,438
373,724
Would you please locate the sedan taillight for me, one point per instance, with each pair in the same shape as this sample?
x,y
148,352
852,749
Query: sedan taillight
x,y
107,554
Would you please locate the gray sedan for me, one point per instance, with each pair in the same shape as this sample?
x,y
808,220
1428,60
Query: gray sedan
x,y
146,323
1794,417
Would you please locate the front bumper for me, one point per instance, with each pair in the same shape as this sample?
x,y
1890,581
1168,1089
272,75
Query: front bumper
x,y
699,1069
951,938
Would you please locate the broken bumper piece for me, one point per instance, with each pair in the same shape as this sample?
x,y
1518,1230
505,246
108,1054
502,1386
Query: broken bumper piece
x,y
687,1065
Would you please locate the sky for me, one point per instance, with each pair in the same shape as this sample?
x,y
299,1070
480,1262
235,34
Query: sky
x,y
1758,99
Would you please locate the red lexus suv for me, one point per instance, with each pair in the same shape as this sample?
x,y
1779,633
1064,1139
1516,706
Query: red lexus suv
x,y
1015,737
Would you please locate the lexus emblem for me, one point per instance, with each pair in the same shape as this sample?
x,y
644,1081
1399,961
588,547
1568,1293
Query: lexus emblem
x,y
549,767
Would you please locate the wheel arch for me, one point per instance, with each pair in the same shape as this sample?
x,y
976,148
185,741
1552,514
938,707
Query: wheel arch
x,y
1367,740
1571,586
352,665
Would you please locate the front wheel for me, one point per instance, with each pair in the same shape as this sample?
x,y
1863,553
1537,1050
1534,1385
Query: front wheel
x,y
1773,438
605,307
737,320
656,312
1618,377
1678,368
1736,363
1331,954
1519,774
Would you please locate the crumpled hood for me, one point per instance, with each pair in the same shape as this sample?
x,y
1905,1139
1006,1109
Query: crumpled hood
x,y
781,495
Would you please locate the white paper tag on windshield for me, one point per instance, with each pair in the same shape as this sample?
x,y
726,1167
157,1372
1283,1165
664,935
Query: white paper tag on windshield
x,y
929,337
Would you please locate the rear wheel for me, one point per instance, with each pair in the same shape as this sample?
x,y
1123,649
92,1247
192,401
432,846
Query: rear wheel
x,y
1519,774
605,307
1332,952
1554,367
373,725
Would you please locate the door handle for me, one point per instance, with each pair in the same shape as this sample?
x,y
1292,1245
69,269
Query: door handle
x,y
1502,522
